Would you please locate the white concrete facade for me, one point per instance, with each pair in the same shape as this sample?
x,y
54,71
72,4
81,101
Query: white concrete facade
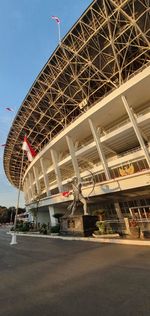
x,y
71,165
87,115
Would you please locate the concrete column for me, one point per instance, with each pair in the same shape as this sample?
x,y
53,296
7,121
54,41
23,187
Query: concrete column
x,y
53,220
118,210
28,188
25,190
31,186
57,169
73,157
45,177
100,150
36,180
25,195
126,221
136,128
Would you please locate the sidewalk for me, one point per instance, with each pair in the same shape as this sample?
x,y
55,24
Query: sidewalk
x,y
114,240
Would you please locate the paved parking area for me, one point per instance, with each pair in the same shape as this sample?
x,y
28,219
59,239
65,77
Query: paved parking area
x,y
52,277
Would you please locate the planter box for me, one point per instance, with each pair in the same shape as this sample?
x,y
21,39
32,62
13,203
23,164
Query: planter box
x,y
78,225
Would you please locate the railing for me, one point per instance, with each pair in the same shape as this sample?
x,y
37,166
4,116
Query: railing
x,y
142,112
130,151
113,128
140,213
86,142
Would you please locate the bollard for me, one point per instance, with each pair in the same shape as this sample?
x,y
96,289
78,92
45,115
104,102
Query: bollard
x,y
13,240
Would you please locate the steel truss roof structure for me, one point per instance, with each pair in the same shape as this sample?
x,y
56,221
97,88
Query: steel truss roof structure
x,y
107,45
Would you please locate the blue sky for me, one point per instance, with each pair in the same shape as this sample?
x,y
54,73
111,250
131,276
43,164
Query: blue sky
x,y
28,36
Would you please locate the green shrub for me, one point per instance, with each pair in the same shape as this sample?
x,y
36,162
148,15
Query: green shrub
x,y
101,225
21,227
43,229
104,228
55,229
25,227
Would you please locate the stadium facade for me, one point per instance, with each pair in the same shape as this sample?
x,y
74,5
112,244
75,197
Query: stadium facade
x,y
88,115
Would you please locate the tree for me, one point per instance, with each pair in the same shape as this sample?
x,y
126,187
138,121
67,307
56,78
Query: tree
x,y
7,215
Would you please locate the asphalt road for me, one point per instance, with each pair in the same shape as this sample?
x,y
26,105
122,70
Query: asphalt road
x,y
45,277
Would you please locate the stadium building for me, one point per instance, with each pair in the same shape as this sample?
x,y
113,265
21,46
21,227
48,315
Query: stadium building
x,y
87,115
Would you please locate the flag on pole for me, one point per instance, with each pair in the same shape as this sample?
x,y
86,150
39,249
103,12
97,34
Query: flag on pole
x,y
9,109
29,150
56,19
66,193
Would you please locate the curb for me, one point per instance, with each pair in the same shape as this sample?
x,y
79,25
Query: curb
x,y
99,240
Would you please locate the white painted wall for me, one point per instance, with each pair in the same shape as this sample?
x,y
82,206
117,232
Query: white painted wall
x,y
43,216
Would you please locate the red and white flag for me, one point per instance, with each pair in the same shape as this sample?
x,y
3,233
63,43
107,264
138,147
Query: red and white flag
x,y
29,150
9,109
66,193
56,19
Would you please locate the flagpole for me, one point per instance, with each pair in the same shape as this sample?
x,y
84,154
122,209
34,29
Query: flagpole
x,y
59,33
13,241
57,20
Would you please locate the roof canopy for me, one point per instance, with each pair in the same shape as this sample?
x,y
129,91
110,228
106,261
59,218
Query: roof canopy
x,y
107,45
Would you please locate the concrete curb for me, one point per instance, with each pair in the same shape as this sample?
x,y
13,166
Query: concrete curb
x,y
120,241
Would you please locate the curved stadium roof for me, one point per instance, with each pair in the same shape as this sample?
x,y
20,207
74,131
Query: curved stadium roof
x,y
107,45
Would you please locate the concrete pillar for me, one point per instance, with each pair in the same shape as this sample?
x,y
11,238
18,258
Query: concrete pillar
x,y
25,189
46,182
100,149
36,180
53,220
73,157
57,170
118,210
126,220
136,129
29,189
31,186
25,193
